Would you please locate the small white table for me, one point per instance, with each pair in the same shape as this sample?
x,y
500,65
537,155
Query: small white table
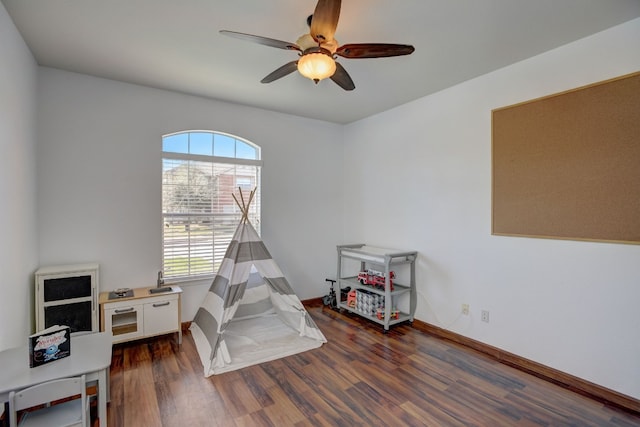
x,y
90,355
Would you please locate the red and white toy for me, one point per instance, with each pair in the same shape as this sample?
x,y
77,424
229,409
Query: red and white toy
x,y
375,278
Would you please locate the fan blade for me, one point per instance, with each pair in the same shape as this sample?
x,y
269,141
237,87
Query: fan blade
x,y
262,40
342,78
286,69
325,20
373,50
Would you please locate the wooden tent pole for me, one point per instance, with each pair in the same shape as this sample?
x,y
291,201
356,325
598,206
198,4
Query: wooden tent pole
x,y
244,208
253,192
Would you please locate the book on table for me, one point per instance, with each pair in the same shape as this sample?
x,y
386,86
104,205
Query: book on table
x,y
48,345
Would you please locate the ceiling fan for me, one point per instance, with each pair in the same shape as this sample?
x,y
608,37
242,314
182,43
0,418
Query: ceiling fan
x,y
318,49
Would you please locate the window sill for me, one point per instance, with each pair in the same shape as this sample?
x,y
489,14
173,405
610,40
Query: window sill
x,y
189,281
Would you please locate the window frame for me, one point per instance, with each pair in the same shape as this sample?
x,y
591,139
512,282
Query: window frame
x,y
211,217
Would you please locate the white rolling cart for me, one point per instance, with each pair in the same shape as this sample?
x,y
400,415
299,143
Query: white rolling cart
x,y
378,302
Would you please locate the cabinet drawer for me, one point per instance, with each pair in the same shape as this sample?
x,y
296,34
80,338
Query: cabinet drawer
x,y
161,316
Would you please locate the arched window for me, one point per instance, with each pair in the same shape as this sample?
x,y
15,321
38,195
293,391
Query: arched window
x,y
201,170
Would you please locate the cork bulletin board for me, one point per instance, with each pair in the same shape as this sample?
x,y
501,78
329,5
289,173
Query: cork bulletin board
x,y
567,166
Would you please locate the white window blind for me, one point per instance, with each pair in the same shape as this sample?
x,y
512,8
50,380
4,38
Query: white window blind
x,y
199,213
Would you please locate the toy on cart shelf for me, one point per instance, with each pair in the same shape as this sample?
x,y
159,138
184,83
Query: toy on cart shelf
x,y
351,299
395,314
375,278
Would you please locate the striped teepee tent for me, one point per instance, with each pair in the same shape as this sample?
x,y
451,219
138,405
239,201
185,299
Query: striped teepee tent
x,y
250,314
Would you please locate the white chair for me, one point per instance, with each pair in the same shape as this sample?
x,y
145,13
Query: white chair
x,y
69,413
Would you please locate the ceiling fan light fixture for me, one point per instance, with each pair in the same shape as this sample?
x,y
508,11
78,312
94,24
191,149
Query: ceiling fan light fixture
x,y
317,64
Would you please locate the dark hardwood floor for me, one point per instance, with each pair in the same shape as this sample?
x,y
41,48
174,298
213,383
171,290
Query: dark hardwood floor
x,y
361,377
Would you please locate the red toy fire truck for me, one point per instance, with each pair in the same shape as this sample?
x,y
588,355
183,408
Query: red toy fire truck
x,y
375,278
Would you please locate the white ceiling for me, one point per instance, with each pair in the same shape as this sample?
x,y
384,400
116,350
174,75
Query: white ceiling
x,y
175,44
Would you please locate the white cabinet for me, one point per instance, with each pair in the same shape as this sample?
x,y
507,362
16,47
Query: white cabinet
x,y
142,314
388,279
67,295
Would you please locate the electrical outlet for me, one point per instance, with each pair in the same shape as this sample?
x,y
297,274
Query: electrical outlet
x,y
484,316
465,309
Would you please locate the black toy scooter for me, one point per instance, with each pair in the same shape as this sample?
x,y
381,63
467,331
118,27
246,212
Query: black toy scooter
x,y
331,299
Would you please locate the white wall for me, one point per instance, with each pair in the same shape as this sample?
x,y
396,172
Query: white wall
x,y
569,305
18,245
99,159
